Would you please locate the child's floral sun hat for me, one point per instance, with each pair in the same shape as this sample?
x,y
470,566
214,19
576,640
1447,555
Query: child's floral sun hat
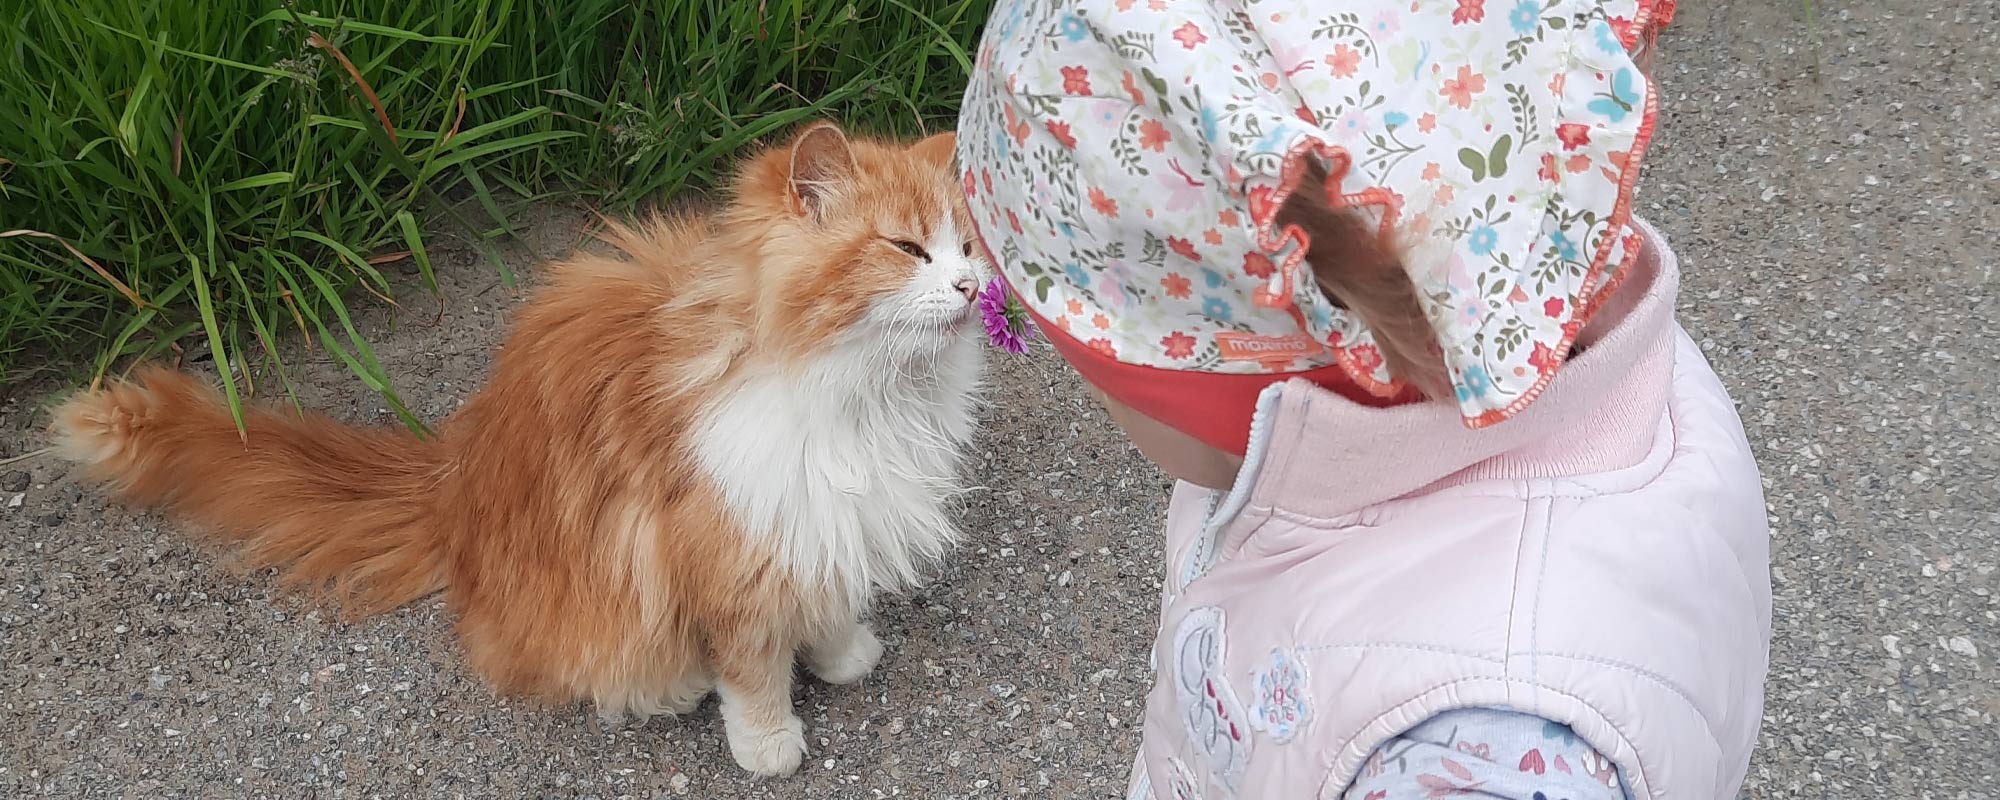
x,y
1125,160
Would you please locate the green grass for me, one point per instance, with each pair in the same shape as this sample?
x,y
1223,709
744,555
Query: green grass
x,y
227,173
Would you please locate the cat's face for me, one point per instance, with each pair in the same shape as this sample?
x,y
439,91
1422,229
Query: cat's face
x,y
870,244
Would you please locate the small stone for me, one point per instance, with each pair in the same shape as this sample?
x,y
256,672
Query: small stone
x,y
1889,644
51,519
1962,646
15,481
678,783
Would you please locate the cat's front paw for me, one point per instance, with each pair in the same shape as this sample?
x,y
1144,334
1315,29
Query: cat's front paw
x,y
768,752
849,659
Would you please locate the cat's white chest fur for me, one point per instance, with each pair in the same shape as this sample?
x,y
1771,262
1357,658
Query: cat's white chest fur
x,y
844,469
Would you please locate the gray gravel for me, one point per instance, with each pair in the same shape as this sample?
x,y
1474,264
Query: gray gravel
x,y
1834,199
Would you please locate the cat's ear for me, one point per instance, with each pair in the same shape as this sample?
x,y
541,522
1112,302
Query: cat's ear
x,y
822,160
938,148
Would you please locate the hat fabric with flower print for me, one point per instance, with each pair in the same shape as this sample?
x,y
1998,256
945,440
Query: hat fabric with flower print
x,y
1125,160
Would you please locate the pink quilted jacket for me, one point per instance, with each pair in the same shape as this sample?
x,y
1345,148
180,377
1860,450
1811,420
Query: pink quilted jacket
x,y
1602,560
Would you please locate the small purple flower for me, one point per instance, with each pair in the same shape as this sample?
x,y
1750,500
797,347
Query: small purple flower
x,y
1007,325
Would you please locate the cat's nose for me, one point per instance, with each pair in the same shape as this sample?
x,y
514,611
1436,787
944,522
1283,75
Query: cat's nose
x,y
967,287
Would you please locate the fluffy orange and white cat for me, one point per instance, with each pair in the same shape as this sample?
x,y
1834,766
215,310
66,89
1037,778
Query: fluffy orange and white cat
x,y
697,458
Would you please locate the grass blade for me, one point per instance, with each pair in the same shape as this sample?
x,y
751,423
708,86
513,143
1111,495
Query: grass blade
x,y
206,304
408,222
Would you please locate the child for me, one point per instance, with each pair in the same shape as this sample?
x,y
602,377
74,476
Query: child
x,y
1336,265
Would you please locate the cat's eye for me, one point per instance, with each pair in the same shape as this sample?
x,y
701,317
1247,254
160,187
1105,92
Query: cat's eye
x,y
966,249
912,248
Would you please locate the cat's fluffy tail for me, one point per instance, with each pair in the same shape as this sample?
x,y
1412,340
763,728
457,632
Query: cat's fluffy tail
x,y
336,508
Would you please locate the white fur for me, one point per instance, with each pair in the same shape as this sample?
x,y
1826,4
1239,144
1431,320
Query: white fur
x,y
847,656
843,467
763,751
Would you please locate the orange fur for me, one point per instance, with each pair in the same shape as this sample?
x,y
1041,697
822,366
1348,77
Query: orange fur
x,y
582,549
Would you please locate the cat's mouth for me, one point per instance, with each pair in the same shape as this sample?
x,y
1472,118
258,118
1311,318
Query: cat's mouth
x,y
953,323
958,315
957,322
928,317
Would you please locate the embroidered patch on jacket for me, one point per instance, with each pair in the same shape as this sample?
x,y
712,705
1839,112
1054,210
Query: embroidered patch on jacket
x,y
1214,718
1184,785
1280,706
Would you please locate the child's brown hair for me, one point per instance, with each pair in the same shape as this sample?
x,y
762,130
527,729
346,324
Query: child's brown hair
x,y
1359,270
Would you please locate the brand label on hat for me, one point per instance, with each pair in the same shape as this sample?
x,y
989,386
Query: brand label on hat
x,y
1274,352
